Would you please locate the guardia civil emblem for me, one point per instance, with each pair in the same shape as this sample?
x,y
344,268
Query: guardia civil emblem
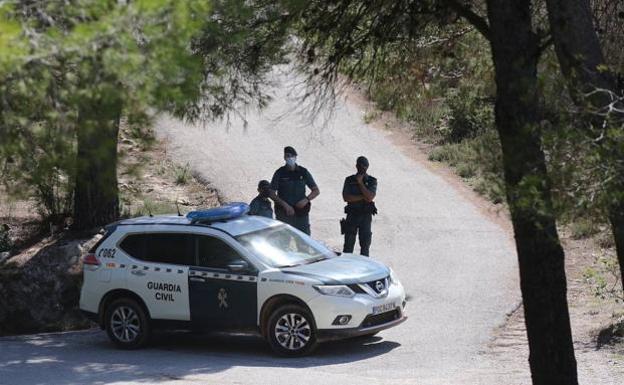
x,y
222,297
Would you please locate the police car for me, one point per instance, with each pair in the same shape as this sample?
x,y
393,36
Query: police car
x,y
222,270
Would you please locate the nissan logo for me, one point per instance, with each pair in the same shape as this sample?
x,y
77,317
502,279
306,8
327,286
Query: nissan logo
x,y
379,286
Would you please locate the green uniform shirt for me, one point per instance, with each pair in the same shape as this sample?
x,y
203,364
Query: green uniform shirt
x,y
291,184
351,187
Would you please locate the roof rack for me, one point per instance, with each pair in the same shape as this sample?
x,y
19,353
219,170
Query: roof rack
x,y
223,213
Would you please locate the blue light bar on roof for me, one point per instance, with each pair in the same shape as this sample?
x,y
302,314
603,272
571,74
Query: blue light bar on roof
x,y
228,211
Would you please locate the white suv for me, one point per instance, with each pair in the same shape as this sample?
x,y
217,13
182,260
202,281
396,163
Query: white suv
x,y
222,270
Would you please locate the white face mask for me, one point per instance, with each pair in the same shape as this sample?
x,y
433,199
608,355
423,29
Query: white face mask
x,y
290,162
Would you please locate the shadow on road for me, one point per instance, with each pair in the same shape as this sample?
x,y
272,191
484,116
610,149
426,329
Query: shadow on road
x,y
89,358
252,349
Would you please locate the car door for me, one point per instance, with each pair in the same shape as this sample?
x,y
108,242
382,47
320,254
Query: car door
x,y
222,286
159,271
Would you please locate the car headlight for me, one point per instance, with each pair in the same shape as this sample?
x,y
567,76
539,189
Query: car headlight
x,y
335,290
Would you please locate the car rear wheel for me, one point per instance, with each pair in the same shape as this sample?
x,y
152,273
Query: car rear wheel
x,y
291,331
127,324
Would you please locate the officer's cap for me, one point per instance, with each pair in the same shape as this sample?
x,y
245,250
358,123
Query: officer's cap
x,y
362,161
288,150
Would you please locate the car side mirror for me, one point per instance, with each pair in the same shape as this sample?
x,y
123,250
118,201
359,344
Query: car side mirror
x,y
238,266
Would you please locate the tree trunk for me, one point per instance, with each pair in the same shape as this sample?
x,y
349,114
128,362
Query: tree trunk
x,y
617,226
541,257
578,48
584,67
96,201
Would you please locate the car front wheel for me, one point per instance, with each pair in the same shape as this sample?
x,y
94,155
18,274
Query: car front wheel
x,y
291,331
127,324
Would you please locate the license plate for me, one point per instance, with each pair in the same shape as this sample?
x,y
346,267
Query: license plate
x,y
383,308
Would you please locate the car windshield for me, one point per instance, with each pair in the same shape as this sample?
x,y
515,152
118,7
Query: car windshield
x,y
282,246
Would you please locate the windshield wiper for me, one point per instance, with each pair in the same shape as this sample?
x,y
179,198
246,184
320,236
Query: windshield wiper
x,y
313,260
286,266
305,262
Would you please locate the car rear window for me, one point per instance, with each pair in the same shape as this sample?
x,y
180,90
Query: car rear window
x,y
108,230
172,248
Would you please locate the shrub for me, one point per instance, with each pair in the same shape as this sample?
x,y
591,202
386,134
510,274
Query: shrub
x,y
151,207
583,228
182,174
469,115
604,278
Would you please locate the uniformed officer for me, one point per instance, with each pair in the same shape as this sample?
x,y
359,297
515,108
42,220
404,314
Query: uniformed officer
x,y
288,190
261,205
359,191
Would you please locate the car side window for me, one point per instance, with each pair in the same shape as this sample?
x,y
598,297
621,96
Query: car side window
x,y
134,245
171,248
214,253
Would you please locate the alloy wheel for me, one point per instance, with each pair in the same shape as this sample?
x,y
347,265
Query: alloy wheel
x,y
125,324
293,331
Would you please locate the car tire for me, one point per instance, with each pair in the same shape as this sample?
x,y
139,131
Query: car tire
x,y
291,331
127,324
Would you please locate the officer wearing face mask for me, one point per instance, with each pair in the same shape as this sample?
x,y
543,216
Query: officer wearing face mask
x,y
359,191
261,205
288,190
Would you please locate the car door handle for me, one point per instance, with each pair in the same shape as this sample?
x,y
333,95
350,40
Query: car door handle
x,y
197,279
140,273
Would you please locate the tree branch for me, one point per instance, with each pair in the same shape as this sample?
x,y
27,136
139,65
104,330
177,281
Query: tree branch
x,y
477,21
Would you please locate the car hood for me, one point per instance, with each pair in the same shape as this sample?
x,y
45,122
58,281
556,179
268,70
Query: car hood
x,y
345,269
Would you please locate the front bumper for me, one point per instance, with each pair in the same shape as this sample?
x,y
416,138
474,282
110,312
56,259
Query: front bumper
x,y
337,334
361,308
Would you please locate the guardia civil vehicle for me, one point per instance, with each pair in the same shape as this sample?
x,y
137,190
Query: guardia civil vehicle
x,y
223,270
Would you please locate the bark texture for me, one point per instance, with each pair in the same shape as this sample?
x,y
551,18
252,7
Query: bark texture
x,y
515,50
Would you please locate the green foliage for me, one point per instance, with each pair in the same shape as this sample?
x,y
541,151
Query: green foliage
x,y
584,155
605,279
68,66
12,44
80,60
583,228
239,45
469,114
478,160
